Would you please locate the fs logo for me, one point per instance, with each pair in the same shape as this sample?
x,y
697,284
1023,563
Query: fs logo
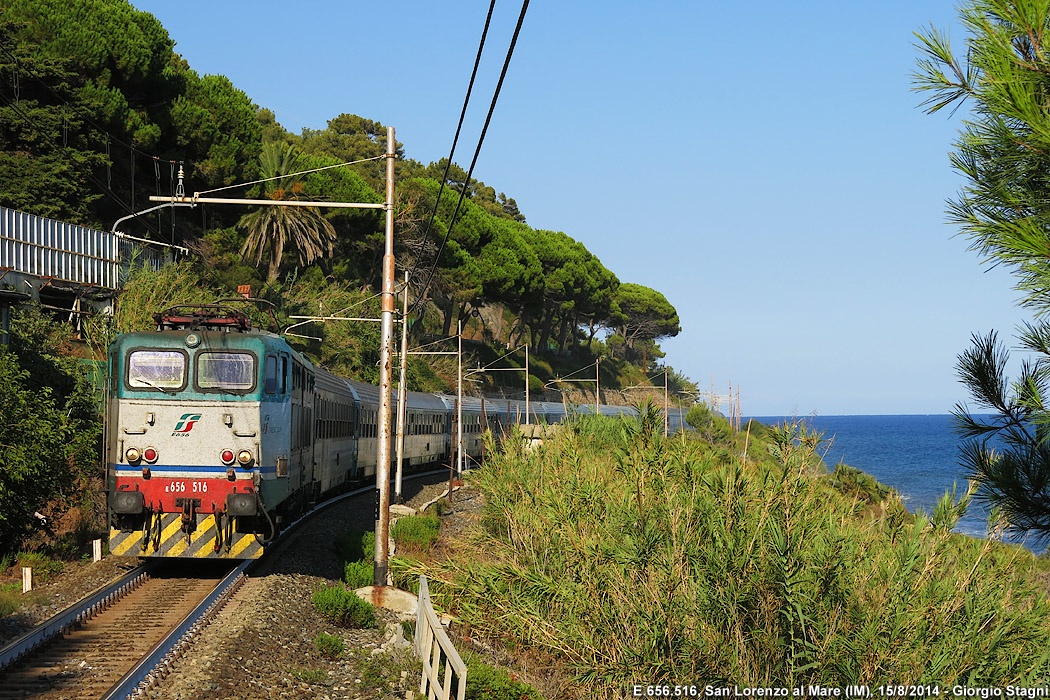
x,y
186,423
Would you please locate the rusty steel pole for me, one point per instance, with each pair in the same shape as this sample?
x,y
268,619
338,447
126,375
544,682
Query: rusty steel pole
x,y
402,396
383,449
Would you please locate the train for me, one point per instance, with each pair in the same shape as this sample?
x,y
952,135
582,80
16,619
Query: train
x,y
218,433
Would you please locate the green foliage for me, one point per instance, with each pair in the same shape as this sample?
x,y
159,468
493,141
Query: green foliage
x,y
343,607
627,555
853,482
416,532
313,676
641,313
329,645
10,598
360,573
274,231
50,435
1007,453
1002,151
404,573
43,566
710,426
348,349
356,549
485,682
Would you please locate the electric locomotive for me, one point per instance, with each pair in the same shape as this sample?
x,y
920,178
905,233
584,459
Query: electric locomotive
x,y
209,436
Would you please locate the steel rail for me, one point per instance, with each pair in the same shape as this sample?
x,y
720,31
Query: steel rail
x,y
143,673
77,612
136,682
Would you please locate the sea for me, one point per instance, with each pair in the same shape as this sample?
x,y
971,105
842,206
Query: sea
x,y
918,455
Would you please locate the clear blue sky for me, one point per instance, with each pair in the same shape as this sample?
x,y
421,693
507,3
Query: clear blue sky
x,y
763,164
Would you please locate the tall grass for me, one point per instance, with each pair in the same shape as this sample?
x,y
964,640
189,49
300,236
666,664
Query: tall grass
x,y
632,557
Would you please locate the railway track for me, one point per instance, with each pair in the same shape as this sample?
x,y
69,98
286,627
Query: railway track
x,y
107,644
103,649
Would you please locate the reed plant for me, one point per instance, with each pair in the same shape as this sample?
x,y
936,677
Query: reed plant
x,y
629,557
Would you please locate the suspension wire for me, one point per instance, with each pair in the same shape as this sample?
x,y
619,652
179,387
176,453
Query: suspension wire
x,y
477,152
455,139
87,118
106,188
83,115
301,172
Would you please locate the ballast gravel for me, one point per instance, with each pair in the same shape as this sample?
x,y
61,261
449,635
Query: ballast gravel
x,y
261,646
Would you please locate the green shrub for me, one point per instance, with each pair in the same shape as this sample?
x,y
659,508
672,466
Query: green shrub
x,y
343,607
486,682
310,675
329,645
853,482
43,566
417,532
358,574
710,425
10,598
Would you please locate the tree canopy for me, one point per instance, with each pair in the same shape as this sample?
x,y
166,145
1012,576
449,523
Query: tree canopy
x,y
97,112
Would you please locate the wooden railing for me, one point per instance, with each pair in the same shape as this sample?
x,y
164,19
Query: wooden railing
x,y
441,661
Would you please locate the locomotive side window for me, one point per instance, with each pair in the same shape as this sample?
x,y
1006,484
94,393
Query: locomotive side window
x,y
226,370
156,369
270,378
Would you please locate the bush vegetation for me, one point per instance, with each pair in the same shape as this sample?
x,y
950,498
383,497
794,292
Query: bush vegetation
x,y
485,682
343,607
329,645
416,532
625,555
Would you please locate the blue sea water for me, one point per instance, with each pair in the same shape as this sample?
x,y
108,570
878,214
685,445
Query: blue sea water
x,y
916,455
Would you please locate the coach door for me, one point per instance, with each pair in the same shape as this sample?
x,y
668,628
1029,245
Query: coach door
x,y
302,426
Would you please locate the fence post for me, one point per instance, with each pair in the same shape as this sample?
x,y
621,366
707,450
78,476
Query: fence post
x,y
431,644
96,550
27,579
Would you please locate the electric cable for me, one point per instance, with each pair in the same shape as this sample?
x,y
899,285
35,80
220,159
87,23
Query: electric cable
x,y
105,188
455,139
477,152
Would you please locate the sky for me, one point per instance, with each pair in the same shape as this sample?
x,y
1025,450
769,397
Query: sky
x,y
764,165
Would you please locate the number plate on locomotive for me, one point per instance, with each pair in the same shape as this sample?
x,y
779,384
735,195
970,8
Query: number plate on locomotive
x,y
187,487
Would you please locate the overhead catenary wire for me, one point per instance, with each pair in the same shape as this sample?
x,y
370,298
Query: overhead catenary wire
x,y
282,177
105,188
477,151
459,129
73,107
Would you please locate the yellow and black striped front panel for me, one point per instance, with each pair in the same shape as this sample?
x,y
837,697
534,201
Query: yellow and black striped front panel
x,y
173,542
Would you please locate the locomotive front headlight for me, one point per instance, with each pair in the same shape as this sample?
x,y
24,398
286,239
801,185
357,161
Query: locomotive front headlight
x,y
244,458
132,455
150,455
226,456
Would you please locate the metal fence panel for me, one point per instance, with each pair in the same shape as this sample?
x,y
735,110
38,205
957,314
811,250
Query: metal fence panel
x,y
34,245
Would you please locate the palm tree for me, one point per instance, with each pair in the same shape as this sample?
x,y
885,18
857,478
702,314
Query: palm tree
x,y
272,229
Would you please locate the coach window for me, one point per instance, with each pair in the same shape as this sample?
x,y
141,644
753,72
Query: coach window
x,y
284,374
225,371
162,370
270,379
